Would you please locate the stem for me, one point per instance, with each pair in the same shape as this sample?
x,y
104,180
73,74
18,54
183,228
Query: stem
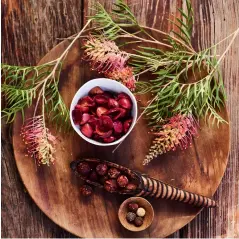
x,y
129,35
174,38
142,72
219,60
233,33
58,61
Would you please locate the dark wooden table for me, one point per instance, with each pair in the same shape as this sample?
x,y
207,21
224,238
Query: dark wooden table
x,y
31,28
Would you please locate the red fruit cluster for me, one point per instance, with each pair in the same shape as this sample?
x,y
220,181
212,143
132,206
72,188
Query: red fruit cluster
x,y
112,179
103,116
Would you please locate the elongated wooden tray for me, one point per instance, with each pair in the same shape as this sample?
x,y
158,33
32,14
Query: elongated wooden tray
x,y
55,189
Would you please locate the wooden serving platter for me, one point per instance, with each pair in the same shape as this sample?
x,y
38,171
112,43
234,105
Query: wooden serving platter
x,y
55,189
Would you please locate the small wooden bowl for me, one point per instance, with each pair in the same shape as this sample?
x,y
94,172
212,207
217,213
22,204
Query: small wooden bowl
x,y
148,218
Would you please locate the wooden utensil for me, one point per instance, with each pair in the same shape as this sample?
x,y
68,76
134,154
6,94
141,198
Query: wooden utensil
x,y
147,186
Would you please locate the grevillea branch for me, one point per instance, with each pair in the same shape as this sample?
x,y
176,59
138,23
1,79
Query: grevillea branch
x,y
39,141
105,57
178,132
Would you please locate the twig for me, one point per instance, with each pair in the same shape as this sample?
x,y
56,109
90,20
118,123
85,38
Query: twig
x,y
174,38
58,61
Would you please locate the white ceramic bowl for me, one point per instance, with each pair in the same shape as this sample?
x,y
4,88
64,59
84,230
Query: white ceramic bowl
x,y
107,85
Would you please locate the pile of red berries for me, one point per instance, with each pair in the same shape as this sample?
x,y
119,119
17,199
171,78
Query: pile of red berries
x,y
111,178
102,115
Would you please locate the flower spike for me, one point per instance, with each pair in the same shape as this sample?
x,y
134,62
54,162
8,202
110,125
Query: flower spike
x,y
39,141
178,132
104,55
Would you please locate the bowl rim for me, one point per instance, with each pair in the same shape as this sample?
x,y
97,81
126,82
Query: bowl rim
x,y
92,141
124,203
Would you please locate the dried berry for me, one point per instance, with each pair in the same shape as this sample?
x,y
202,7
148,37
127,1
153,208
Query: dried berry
x,y
103,116
123,95
93,176
138,221
77,116
127,125
83,169
86,190
109,139
130,217
116,113
118,127
93,121
96,91
106,122
83,109
103,134
110,185
87,130
131,187
85,118
112,103
125,103
133,207
86,101
113,173
122,181
100,111
140,212
101,99
101,169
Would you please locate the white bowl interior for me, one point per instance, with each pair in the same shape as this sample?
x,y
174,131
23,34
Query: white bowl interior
x,y
107,85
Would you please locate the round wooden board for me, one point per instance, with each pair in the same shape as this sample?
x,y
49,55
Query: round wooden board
x,y
56,190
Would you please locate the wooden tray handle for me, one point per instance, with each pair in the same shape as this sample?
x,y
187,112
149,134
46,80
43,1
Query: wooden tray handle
x,y
158,189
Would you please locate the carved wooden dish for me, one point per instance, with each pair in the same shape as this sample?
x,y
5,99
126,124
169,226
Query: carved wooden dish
x,y
55,189
149,216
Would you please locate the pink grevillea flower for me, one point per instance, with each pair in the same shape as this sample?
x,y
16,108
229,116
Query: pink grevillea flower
x,y
103,55
39,141
124,75
177,132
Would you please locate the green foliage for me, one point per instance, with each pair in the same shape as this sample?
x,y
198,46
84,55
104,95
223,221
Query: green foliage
x,y
173,90
21,86
184,25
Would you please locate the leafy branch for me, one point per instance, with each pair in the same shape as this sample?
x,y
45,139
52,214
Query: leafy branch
x,y
185,81
24,86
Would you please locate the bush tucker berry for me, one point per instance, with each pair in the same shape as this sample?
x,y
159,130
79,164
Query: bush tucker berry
x,y
103,116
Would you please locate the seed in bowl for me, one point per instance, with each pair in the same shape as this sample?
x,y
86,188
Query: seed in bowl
x,y
102,115
136,214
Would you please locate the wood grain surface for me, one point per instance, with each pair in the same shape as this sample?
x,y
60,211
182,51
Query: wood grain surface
x,y
214,20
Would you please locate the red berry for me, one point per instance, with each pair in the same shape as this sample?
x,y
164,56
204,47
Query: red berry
x,y
101,99
96,91
122,181
101,110
86,190
83,168
118,127
101,169
112,103
85,118
127,125
125,103
77,116
109,139
87,130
